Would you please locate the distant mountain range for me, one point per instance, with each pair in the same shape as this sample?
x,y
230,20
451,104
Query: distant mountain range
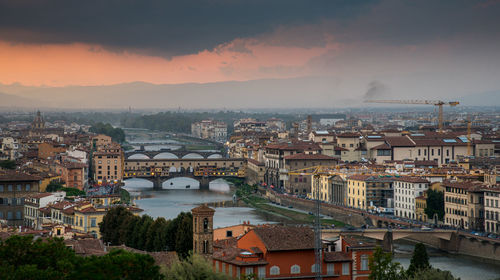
x,y
305,92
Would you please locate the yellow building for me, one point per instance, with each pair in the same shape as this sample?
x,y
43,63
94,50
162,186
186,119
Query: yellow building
x,y
420,205
464,204
87,219
46,179
105,200
369,191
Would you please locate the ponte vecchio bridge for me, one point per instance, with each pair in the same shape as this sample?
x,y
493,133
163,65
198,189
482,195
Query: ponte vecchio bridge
x,y
204,170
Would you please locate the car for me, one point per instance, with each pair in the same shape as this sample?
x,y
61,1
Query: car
x,y
290,206
425,228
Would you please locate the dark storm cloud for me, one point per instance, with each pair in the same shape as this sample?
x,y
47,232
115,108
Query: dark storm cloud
x,y
167,27
160,26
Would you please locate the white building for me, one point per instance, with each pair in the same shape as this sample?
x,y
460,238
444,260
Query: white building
x,y
406,189
32,216
210,129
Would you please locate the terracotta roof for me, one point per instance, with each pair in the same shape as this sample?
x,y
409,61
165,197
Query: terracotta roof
x,y
349,135
336,257
466,185
302,156
381,147
399,141
256,162
370,178
87,247
408,179
202,209
230,255
14,176
280,238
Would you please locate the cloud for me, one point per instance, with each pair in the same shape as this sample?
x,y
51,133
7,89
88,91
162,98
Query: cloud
x,y
160,27
376,90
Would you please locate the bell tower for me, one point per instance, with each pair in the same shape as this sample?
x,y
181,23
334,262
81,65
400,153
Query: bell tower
x,y
203,230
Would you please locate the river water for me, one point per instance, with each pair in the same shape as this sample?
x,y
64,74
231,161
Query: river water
x,y
176,198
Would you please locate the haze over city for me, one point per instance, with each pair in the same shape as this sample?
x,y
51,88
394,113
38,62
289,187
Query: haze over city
x,y
238,54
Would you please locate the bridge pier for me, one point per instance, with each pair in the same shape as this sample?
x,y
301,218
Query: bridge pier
x,y
387,243
157,183
204,183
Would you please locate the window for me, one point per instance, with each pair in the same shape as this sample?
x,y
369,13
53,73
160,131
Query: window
x,y
28,187
18,215
223,267
275,270
1,188
230,270
248,270
205,225
364,262
345,269
261,272
9,188
216,266
93,222
19,187
329,268
314,268
295,269
229,233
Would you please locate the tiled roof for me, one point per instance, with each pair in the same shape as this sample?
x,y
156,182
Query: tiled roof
x,y
14,176
336,257
230,255
349,135
408,179
280,238
202,209
381,147
302,156
399,141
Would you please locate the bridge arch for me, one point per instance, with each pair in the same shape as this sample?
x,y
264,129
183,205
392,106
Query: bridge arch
x,y
181,183
215,156
138,156
193,156
165,155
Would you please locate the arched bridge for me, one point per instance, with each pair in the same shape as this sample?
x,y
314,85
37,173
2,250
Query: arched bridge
x,y
203,170
171,154
386,237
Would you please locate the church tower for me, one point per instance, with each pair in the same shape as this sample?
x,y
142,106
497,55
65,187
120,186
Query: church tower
x,y
203,230
38,122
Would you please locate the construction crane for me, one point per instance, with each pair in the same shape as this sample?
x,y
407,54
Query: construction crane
x,y
438,103
315,172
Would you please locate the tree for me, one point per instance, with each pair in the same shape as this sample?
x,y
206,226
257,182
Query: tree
x,y
419,260
117,134
435,204
194,267
73,192
8,164
54,186
382,267
112,222
184,236
432,274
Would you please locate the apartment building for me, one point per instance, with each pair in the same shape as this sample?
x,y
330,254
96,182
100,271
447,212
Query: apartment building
x,y
406,191
464,204
351,143
370,191
33,217
14,188
492,209
210,129
301,183
108,163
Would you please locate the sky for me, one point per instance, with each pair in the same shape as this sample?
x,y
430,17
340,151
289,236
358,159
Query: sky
x,y
367,49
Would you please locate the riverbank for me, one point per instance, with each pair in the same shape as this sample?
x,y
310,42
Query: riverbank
x,y
262,204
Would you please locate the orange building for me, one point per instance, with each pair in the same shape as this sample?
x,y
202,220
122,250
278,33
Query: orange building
x,y
277,252
73,174
46,150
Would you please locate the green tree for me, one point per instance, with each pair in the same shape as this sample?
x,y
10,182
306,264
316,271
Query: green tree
x,y
117,265
432,274
419,260
147,221
112,223
184,236
54,186
383,268
8,164
117,134
73,192
194,267
435,204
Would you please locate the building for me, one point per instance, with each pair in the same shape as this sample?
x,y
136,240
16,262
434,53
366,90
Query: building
x,y
420,205
406,190
108,163
73,174
370,191
33,217
210,129
203,230
255,172
464,204
278,252
492,209
50,150
300,183
15,187
351,142
331,188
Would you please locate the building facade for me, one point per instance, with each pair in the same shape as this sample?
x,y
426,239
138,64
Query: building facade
x,y
406,191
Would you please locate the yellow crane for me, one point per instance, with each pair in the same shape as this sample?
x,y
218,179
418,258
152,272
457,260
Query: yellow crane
x,y
438,103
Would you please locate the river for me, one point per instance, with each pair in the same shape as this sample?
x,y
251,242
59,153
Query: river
x,y
175,198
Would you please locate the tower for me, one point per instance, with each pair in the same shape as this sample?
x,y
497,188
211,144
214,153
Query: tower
x,y
203,230
38,122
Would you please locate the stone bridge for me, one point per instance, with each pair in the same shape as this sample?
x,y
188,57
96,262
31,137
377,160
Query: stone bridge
x,y
204,170
385,237
171,154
